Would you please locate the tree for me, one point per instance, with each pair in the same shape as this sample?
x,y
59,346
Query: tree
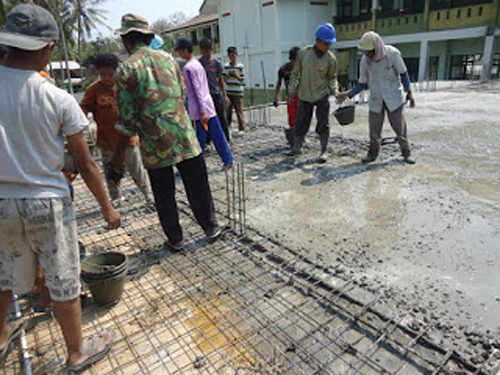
x,y
86,15
100,45
163,24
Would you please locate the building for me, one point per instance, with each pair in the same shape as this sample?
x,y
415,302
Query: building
x,y
204,25
264,31
439,39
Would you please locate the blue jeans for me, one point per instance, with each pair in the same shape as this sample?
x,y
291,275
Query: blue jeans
x,y
218,138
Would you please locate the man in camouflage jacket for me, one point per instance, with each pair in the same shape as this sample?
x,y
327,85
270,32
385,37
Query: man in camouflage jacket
x,y
151,105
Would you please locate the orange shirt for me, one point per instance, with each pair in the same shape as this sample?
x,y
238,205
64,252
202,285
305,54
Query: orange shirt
x,y
100,100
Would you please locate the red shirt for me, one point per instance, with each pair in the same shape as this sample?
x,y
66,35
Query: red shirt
x,y
100,100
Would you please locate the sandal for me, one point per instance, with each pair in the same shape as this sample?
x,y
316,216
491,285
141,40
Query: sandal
x,y
93,354
13,335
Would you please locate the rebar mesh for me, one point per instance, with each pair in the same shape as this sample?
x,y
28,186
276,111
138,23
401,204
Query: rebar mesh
x,y
244,305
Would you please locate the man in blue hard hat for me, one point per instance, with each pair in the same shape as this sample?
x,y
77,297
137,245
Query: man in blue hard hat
x,y
313,80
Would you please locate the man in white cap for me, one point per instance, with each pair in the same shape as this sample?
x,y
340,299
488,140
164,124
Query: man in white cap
x,y
383,70
37,221
313,80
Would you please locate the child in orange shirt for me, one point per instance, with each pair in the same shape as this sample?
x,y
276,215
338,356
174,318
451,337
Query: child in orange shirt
x,y
100,100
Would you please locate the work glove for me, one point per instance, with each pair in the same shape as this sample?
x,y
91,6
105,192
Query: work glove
x,y
111,174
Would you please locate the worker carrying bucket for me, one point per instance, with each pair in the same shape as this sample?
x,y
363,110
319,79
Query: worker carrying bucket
x,y
383,70
313,80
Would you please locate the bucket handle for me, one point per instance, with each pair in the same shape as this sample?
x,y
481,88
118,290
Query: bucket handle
x,y
345,102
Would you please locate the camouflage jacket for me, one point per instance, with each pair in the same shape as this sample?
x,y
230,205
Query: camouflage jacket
x,y
151,104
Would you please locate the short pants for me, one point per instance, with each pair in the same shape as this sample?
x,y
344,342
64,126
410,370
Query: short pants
x,y
44,230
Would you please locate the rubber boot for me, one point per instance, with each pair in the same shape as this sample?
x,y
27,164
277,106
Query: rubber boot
x,y
323,140
289,134
372,154
408,159
298,141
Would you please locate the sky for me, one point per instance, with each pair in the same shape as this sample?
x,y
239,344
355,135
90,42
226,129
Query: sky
x,y
150,9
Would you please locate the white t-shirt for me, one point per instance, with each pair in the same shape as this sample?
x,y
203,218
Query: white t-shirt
x,y
34,116
383,79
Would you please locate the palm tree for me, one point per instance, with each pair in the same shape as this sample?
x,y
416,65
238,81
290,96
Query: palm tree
x,y
2,12
86,15
61,11
72,16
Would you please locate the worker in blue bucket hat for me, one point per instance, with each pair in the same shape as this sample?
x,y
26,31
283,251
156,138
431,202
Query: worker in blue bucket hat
x,y
157,43
313,80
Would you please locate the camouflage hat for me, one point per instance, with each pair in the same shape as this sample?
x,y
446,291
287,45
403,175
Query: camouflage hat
x,y
133,22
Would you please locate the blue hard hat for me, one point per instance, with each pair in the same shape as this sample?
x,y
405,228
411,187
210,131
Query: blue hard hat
x,y
326,32
156,43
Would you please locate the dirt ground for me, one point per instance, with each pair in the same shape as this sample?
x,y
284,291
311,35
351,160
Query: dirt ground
x,y
427,234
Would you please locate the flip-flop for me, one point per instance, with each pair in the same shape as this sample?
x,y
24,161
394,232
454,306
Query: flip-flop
x,y
94,355
13,335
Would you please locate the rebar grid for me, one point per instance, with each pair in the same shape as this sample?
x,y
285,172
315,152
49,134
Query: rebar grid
x,y
244,305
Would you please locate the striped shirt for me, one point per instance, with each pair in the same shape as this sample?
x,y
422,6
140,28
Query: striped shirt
x,y
233,85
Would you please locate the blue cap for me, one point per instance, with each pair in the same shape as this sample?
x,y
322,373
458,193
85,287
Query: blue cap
x,y
326,32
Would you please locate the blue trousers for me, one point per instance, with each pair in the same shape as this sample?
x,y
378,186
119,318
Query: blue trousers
x,y
218,138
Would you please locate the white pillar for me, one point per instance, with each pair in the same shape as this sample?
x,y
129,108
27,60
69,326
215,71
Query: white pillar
x,y
277,36
424,60
489,48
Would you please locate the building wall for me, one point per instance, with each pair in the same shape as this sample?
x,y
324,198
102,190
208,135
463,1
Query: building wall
x,y
474,15
263,31
444,34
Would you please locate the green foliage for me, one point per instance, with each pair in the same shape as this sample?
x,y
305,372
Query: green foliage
x,y
100,45
163,24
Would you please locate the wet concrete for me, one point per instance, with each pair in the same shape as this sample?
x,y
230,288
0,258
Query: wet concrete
x,y
429,233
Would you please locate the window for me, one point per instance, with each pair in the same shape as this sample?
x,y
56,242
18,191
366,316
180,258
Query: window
x,y
207,33
344,8
448,15
480,11
194,37
438,16
466,67
433,67
387,5
495,68
412,67
365,6
217,34
469,12
459,13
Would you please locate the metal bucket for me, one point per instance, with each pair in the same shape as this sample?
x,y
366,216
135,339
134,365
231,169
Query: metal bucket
x,y
105,275
345,115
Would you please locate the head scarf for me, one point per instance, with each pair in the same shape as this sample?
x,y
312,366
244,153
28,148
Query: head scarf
x,y
380,48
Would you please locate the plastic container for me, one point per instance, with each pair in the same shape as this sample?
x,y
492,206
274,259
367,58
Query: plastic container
x,y
345,115
105,276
